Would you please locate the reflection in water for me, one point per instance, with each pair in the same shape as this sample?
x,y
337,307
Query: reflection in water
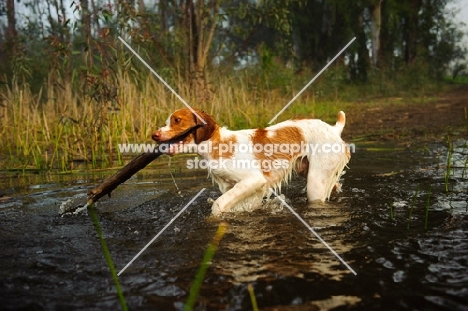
x,y
265,245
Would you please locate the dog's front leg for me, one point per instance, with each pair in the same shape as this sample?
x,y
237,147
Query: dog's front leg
x,y
241,191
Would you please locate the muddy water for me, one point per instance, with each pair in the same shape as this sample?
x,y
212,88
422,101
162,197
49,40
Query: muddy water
x,y
50,262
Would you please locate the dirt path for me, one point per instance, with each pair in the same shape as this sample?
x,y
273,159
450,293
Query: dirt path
x,y
402,120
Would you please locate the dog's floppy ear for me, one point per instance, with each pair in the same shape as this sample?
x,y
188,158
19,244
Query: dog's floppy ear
x,y
204,131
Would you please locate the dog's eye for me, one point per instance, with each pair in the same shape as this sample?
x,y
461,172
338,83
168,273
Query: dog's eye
x,y
176,120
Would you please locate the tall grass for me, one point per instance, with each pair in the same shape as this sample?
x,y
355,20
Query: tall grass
x,y
67,128
65,124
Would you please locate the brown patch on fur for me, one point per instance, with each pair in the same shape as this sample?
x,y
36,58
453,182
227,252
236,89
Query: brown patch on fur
x,y
340,118
207,130
287,136
227,143
183,120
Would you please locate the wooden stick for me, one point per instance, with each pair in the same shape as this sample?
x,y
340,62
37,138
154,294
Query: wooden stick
x,y
140,162
112,182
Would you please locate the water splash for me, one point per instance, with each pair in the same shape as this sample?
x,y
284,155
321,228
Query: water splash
x,y
74,205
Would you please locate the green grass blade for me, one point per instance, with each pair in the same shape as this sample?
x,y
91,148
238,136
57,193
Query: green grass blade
x,y
107,256
200,276
412,206
252,297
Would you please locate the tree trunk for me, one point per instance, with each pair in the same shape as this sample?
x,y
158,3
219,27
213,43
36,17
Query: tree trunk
x,y
202,27
411,31
163,15
11,20
363,52
375,28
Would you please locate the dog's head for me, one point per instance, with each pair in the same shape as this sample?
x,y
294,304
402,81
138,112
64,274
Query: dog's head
x,y
185,126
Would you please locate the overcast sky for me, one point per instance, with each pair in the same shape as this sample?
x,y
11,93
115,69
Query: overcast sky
x,y
462,16
463,5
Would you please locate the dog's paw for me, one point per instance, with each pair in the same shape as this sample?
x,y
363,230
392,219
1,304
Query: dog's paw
x,y
216,210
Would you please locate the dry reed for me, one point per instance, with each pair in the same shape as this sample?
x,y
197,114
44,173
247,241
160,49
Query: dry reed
x,y
59,128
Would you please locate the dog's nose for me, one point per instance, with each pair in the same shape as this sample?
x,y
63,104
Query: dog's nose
x,y
156,135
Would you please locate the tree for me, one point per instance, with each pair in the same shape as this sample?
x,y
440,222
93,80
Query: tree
x,y
10,43
376,15
202,20
11,19
411,29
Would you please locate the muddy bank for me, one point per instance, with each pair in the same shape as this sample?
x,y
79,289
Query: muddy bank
x,y
407,120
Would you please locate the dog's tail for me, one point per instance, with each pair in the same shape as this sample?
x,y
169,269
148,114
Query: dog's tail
x,y
340,121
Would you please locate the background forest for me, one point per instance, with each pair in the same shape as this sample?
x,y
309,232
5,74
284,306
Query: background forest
x,y
70,91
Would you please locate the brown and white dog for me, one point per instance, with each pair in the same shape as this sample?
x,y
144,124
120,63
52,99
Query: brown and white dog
x,y
248,164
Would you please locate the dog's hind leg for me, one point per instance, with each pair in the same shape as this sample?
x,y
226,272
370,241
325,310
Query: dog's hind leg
x,y
324,174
